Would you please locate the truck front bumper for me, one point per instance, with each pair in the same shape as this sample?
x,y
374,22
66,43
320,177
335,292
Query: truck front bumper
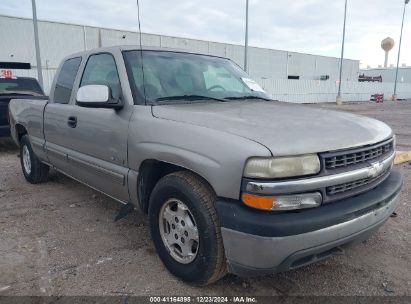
x,y
258,242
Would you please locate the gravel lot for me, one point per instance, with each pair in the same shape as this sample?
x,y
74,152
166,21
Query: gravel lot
x,y
59,238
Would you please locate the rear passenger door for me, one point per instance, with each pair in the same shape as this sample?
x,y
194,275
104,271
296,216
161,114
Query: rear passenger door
x,y
99,140
57,113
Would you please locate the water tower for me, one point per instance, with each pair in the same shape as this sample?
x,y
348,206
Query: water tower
x,y
387,44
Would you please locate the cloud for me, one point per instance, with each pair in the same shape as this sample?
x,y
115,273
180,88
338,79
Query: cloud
x,y
312,26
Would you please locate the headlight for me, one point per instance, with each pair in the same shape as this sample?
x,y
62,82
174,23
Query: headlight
x,y
278,167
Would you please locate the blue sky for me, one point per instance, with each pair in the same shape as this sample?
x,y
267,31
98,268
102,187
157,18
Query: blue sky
x,y
312,26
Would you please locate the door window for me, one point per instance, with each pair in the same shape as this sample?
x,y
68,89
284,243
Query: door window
x,y
101,69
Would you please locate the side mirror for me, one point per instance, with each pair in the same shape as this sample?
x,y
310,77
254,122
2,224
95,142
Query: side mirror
x,y
97,96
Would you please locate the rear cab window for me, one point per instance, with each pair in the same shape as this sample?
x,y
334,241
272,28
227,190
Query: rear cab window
x,y
65,80
20,86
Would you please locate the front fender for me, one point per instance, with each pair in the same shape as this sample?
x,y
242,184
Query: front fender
x,y
217,156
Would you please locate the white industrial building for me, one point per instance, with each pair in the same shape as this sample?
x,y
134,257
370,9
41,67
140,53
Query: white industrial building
x,y
388,74
286,76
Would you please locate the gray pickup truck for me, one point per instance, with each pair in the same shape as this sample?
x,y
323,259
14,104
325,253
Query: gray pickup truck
x,y
231,180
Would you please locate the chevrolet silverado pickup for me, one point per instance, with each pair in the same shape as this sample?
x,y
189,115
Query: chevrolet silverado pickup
x,y
231,180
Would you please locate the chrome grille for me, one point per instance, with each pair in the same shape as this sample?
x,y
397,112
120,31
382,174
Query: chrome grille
x,y
357,156
332,190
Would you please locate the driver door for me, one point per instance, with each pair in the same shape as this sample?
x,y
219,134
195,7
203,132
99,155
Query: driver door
x,y
99,145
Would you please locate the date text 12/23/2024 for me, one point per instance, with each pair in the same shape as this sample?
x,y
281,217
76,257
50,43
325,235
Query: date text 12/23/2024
x,y
203,299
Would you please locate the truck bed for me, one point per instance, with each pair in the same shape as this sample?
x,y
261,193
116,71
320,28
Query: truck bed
x,y
28,112
4,104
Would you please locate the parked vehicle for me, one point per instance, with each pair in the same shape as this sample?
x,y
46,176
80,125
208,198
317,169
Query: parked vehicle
x,y
15,87
231,180
378,98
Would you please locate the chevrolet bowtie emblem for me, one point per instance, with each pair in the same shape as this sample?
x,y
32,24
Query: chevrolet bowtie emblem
x,y
375,169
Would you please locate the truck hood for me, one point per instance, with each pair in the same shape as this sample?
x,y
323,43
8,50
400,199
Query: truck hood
x,y
284,128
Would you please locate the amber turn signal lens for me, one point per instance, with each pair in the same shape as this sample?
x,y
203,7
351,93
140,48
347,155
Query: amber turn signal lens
x,y
283,202
259,202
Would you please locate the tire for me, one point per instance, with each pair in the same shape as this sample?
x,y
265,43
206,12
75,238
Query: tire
x,y
33,169
209,264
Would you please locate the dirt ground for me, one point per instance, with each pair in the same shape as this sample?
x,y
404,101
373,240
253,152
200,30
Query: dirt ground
x,y
59,238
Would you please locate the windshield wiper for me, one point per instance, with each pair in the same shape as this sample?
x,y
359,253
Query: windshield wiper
x,y
246,97
189,97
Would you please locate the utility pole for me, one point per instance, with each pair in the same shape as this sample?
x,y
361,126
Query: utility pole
x,y
246,38
339,98
37,45
394,96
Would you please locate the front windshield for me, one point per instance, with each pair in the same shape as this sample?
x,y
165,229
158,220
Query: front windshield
x,y
176,76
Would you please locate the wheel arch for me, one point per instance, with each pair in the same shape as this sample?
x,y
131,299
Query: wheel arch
x,y
20,131
150,172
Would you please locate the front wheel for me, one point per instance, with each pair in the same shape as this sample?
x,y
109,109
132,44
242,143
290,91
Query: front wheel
x,y
185,228
33,169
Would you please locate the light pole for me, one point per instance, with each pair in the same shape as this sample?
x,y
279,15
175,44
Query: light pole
x,y
246,38
394,96
339,98
37,45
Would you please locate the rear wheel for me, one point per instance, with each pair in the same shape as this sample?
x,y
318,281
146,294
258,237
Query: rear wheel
x,y
33,169
185,228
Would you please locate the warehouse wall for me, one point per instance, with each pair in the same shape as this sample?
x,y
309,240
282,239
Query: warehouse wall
x,y
58,40
269,67
388,74
311,91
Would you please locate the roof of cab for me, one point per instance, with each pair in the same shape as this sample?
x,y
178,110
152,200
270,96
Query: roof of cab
x,y
134,47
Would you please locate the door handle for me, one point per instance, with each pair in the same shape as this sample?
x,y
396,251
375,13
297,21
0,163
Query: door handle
x,y
72,121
